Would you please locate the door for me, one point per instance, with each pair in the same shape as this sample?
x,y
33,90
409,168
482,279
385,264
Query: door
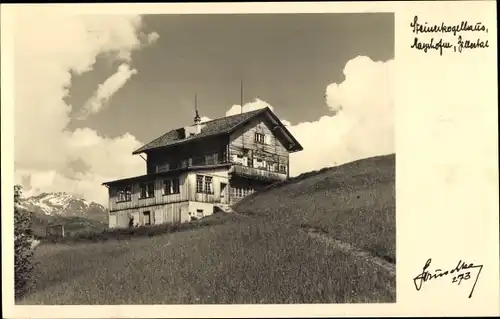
x,y
223,193
147,218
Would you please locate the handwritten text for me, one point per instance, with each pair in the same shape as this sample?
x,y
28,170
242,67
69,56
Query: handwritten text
x,y
461,272
440,43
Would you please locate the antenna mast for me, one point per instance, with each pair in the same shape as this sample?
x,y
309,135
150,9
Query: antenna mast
x,y
197,118
241,111
241,96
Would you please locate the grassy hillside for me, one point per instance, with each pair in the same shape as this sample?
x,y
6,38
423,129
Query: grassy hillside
x,y
259,256
354,203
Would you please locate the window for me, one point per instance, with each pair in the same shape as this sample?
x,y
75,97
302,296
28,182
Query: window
x,y
242,192
124,194
167,187
210,159
184,163
147,190
199,184
260,163
199,213
260,138
282,168
204,184
175,186
209,189
171,186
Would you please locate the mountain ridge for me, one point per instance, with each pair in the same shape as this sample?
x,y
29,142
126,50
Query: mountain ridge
x,y
64,205
61,208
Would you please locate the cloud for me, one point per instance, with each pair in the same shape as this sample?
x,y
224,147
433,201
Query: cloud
x,y
205,119
48,49
153,37
362,120
251,106
105,90
361,123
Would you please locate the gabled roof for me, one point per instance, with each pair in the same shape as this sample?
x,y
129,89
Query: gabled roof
x,y
223,125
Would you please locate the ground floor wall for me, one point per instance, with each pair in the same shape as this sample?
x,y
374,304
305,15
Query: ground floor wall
x,y
151,215
236,189
161,214
200,209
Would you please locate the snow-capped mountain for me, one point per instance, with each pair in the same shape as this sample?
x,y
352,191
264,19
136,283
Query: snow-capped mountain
x,y
63,204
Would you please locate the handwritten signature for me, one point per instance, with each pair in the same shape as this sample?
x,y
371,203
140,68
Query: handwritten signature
x,y
462,271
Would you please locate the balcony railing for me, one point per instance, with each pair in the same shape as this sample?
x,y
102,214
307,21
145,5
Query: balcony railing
x,y
212,159
257,173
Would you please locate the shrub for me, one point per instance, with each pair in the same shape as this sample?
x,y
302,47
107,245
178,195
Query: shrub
x,y
142,231
23,249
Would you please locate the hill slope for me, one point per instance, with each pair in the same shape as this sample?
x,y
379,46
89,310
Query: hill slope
x,y
354,203
258,256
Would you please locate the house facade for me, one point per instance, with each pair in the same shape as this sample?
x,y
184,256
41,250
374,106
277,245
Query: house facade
x,y
194,170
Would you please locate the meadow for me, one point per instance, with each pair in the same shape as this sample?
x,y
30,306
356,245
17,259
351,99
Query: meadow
x,y
355,203
259,255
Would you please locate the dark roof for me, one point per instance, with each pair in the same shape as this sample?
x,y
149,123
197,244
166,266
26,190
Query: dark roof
x,y
214,127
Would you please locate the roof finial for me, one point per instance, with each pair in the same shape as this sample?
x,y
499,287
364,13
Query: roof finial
x,y
197,118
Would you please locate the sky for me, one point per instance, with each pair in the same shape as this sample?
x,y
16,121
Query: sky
x,y
89,90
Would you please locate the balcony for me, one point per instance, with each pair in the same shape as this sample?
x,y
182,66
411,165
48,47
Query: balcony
x,y
256,173
193,161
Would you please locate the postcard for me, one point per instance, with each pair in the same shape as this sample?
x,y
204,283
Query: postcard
x,y
250,160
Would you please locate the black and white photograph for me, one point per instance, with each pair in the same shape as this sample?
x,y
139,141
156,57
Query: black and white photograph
x,y
203,157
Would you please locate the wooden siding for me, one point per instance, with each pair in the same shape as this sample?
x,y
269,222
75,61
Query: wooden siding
x,y
190,154
158,198
244,138
257,173
160,214
187,191
218,176
242,143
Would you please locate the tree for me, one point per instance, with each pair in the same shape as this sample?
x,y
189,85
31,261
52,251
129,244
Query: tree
x,y
23,252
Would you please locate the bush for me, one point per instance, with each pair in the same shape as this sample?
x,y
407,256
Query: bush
x,y
142,231
23,252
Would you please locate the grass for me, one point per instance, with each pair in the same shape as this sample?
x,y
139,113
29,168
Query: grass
x,y
354,203
142,231
256,257
72,225
250,262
